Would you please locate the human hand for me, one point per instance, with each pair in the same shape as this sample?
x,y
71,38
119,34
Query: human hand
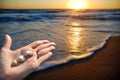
x,y
7,56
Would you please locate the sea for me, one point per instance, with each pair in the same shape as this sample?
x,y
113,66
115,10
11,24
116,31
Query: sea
x,y
78,34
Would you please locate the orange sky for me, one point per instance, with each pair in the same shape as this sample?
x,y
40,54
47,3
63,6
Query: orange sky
x,y
42,4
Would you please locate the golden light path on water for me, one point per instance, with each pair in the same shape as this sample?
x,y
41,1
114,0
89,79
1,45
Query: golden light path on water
x,y
73,33
74,37
77,37
75,41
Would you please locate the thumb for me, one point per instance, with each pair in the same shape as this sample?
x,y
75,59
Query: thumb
x,y
7,42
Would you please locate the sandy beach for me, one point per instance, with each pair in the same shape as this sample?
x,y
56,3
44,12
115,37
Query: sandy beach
x,y
104,65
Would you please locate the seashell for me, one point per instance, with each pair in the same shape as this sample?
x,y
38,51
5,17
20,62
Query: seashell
x,y
15,63
21,59
28,54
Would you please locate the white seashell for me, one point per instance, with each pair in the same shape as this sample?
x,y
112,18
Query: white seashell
x,y
28,54
21,59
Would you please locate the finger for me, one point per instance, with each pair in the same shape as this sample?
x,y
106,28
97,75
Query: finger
x,y
7,42
37,43
44,57
45,46
46,50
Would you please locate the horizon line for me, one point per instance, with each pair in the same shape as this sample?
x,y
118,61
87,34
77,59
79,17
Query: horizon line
x,y
62,8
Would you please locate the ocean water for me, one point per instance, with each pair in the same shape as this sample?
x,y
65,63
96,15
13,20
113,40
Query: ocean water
x,y
78,34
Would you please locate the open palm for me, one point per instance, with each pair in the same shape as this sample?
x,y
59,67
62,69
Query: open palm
x,y
7,56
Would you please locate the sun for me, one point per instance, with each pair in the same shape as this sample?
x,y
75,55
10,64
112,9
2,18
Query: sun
x,y
77,4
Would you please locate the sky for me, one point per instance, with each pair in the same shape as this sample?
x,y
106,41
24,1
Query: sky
x,y
56,4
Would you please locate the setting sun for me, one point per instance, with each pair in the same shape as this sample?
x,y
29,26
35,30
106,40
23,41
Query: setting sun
x,y
77,4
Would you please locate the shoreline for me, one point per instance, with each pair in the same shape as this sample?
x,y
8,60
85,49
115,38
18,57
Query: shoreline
x,y
103,65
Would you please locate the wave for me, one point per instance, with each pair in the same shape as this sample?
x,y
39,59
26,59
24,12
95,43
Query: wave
x,y
54,10
38,15
14,11
49,17
90,52
25,18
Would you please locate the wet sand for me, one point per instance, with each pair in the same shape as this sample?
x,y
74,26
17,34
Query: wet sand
x,y
104,65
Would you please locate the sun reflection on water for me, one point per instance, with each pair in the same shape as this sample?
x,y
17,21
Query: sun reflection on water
x,y
74,37
75,24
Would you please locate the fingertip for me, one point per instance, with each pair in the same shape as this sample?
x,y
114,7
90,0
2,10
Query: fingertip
x,y
50,53
53,47
7,35
7,41
46,40
53,43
